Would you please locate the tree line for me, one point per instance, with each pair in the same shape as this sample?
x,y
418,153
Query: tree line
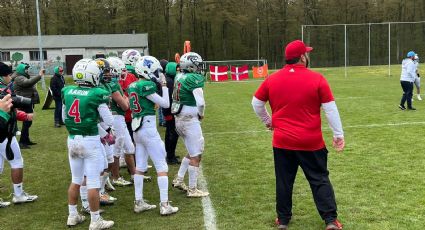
x,y
227,29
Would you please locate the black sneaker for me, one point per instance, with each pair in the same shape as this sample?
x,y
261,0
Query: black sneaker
x,y
411,108
31,143
57,125
402,107
23,146
173,161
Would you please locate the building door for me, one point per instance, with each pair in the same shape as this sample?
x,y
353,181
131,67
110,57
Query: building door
x,y
70,61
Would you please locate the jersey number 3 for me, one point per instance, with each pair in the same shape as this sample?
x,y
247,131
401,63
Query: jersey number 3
x,y
134,100
74,111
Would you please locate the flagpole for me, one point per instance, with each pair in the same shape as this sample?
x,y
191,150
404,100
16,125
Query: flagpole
x,y
43,83
258,41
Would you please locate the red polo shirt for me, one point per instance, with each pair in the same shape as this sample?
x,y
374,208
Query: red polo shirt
x,y
295,94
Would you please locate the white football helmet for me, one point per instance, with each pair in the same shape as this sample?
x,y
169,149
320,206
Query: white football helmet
x,y
130,57
148,67
86,73
191,62
117,66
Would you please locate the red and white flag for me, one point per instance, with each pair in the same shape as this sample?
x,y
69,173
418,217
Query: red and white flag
x,y
239,73
219,73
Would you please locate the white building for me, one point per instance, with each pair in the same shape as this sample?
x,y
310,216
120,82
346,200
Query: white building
x,y
65,50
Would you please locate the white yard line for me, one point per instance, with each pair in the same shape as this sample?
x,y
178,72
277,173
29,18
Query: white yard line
x,y
327,128
207,206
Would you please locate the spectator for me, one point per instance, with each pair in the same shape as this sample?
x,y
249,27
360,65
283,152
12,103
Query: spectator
x,y
408,75
171,136
56,85
296,94
24,85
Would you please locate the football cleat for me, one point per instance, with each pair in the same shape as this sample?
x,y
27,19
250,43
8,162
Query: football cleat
x,y
194,192
106,199
141,206
4,204
147,178
121,182
24,198
166,209
75,219
179,183
101,224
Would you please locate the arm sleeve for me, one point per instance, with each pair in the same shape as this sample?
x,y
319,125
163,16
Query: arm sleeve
x,y
106,116
198,93
163,101
332,115
259,107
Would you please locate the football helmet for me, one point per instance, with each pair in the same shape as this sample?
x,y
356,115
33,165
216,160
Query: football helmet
x,y
148,67
191,63
130,57
86,73
105,69
117,66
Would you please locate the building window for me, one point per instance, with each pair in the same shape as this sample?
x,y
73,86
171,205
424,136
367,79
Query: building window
x,y
4,56
35,55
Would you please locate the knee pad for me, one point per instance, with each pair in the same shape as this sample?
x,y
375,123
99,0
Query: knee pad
x,y
161,166
17,163
93,182
77,180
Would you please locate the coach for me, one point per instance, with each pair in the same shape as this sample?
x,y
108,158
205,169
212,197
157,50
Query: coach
x,y
295,95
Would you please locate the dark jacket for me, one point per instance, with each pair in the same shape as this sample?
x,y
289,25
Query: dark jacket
x,y
24,85
170,74
56,85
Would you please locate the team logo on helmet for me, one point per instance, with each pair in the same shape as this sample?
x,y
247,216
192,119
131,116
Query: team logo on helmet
x,y
147,62
79,75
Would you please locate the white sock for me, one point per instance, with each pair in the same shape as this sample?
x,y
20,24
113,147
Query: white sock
x,y
183,167
138,187
94,216
193,176
72,210
163,188
83,195
18,189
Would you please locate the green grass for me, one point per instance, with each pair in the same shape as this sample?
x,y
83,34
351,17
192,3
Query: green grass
x,y
377,179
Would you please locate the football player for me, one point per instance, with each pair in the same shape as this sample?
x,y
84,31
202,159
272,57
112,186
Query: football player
x,y
123,146
130,57
143,97
84,106
418,78
188,106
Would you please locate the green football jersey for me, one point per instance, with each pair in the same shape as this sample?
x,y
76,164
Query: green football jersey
x,y
141,106
81,106
113,87
184,86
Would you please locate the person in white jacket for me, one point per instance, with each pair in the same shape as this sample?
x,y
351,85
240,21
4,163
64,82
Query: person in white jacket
x,y
408,75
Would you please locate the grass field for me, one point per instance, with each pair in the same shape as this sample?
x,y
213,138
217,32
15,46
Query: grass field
x,y
378,179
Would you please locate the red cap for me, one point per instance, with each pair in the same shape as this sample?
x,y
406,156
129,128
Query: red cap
x,y
295,49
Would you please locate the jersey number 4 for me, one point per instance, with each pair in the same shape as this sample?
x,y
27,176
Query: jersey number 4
x,y
74,111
